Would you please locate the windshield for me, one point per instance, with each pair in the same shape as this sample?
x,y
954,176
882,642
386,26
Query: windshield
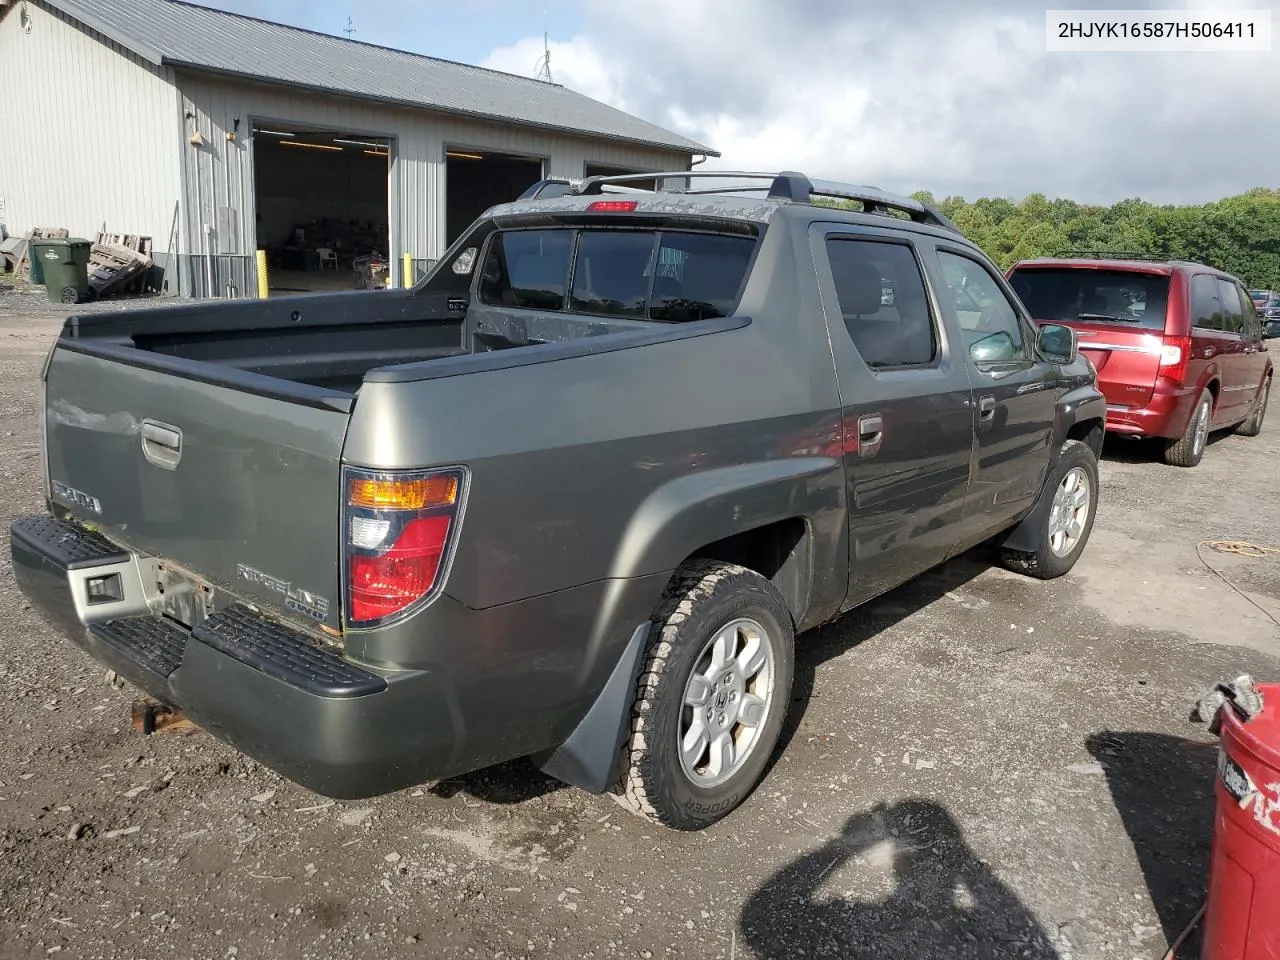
x,y
1106,296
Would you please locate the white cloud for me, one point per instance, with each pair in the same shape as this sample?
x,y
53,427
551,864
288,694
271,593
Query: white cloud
x,y
908,94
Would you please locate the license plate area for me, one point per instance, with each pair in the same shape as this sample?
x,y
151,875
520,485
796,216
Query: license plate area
x,y
180,594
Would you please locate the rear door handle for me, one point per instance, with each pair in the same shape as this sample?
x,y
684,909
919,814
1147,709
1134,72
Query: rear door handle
x,y
987,408
161,444
870,433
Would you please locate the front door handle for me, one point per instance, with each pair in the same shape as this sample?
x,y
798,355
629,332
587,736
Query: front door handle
x,y
870,433
987,409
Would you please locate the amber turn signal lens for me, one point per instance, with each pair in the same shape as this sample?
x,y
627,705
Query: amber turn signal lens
x,y
419,494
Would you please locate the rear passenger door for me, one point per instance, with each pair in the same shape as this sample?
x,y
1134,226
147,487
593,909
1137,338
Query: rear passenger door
x,y
908,423
1014,391
1237,368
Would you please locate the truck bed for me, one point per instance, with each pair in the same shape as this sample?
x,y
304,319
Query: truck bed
x,y
331,341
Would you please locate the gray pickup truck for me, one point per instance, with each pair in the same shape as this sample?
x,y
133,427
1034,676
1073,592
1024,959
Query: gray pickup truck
x,y
571,497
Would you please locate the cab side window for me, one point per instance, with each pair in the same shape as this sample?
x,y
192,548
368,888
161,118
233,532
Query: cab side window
x,y
992,331
881,294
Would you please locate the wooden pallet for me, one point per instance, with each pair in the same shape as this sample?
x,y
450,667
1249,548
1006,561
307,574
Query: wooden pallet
x,y
119,262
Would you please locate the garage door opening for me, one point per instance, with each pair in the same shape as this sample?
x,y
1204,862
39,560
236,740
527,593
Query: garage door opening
x,y
322,207
476,181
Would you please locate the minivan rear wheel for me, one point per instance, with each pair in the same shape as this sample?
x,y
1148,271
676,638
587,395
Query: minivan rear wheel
x,y
1188,449
1253,426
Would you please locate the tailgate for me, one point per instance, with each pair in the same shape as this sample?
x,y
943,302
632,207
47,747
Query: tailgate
x,y
1127,359
236,481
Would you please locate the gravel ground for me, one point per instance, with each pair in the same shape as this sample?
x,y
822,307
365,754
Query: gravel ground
x,y
977,765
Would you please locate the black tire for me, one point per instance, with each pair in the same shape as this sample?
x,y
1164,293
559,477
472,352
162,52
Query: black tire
x,y
1046,562
1253,426
1188,449
704,598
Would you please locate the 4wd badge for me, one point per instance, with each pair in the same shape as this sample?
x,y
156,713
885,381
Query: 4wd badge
x,y
299,601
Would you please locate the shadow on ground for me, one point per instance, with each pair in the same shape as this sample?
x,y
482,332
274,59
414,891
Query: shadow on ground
x,y
1162,787
928,896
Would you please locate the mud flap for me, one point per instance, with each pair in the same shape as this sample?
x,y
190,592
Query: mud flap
x,y
588,758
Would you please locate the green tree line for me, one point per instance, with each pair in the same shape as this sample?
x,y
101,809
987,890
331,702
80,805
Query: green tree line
x,y
1239,234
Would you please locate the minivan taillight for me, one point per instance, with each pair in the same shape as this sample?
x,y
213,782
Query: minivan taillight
x,y
399,528
1175,353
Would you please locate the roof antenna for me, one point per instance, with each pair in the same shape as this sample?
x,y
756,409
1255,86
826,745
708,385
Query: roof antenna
x,y
544,63
349,29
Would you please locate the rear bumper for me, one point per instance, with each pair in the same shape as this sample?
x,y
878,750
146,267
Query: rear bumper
x,y
332,725
1166,414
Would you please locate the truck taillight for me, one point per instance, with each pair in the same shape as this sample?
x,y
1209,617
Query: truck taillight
x,y
1175,353
399,531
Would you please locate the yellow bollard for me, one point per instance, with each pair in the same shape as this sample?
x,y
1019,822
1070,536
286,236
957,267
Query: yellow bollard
x,y
408,270
262,274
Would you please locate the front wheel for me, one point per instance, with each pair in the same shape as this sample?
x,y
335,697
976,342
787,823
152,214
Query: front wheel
x,y
1069,519
1253,426
711,699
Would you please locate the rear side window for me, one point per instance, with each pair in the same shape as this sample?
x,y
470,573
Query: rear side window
x,y
663,275
527,268
882,299
1105,296
1206,303
1232,309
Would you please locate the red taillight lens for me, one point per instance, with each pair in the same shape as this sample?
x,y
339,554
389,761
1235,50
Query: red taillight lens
x,y
612,206
1175,353
385,584
398,530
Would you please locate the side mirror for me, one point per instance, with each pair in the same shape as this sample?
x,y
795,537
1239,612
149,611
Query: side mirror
x,y
1058,343
993,348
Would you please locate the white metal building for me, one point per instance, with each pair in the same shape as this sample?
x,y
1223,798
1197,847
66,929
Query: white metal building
x,y
217,135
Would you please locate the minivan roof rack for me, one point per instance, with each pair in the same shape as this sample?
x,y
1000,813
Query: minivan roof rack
x,y
787,186
1113,255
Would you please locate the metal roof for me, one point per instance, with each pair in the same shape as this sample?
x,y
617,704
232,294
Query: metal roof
x,y
179,34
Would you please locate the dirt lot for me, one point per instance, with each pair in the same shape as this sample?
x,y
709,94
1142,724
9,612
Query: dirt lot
x,y
979,765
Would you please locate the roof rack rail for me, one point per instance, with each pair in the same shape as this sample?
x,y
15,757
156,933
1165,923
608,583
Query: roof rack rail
x,y
1114,255
787,186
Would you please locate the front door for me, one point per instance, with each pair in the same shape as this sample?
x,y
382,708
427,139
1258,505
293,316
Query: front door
x,y
1013,390
907,414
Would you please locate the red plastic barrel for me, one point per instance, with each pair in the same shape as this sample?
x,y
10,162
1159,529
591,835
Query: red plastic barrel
x,y
1242,917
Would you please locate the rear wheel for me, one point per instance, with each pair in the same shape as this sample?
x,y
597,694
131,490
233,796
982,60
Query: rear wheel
x,y
711,698
1069,519
1253,426
1188,450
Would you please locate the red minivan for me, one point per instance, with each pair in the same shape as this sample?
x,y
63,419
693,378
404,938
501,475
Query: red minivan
x,y
1177,345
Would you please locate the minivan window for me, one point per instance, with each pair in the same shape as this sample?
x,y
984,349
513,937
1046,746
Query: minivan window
x,y
1106,296
1232,310
662,275
1206,302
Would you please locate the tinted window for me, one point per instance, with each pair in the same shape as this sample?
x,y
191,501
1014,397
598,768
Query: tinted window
x,y
1066,295
1232,309
527,268
1206,307
989,321
882,298
1252,327
698,276
612,273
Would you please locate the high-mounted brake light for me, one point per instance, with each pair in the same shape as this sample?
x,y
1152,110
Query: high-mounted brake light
x,y
399,531
612,206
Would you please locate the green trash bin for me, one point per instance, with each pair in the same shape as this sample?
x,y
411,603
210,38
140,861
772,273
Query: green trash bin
x,y
65,264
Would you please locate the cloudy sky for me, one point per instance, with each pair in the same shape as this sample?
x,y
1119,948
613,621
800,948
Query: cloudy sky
x,y
952,96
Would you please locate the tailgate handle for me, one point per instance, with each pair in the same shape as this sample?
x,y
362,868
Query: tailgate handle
x,y
161,444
